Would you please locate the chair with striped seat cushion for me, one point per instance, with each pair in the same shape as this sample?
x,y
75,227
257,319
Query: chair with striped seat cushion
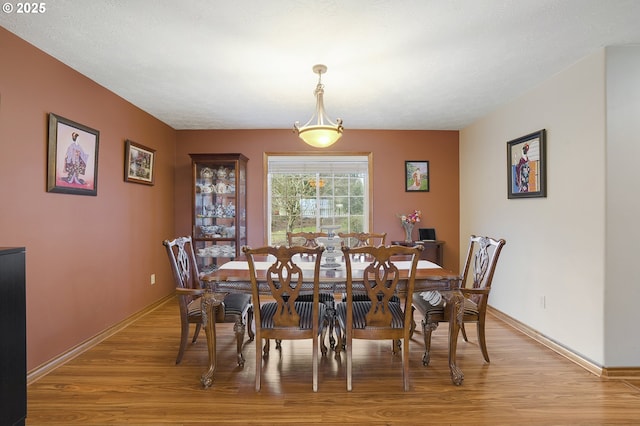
x,y
359,298
285,317
309,239
477,275
236,308
380,317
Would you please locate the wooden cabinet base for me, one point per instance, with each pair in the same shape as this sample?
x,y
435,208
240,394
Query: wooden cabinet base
x,y
433,250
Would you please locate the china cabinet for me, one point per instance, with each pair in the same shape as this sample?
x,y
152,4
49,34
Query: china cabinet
x,y
219,227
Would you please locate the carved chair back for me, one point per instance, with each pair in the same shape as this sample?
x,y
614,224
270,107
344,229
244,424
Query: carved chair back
x,y
480,265
183,264
359,239
304,239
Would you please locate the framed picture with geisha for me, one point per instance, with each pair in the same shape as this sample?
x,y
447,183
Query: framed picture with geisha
x,y
527,166
416,176
72,166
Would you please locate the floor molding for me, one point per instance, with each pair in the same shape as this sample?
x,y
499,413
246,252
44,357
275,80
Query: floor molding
x,y
604,372
621,373
551,344
46,368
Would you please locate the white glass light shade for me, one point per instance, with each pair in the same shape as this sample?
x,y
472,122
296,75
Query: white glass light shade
x,y
320,136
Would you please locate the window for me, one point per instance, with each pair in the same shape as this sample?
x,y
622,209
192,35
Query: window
x,y
308,192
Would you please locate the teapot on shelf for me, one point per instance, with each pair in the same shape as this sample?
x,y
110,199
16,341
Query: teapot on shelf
x,y
222,173
221,188
205,188
206,173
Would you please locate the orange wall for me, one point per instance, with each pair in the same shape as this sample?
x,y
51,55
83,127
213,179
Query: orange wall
x,y
440,206
89,259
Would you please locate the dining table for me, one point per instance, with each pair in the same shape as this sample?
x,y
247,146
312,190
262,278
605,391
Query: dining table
x,y
233,277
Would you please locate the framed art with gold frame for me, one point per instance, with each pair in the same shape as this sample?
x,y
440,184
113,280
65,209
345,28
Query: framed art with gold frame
x,y
139,163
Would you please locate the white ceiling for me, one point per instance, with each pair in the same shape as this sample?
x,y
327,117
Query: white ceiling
x,y
392,64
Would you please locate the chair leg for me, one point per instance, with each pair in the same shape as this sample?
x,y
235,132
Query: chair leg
x,y
464,332
314,357
184,336
427,329
405,364
323,335
249,323
481,341
349,361
413,321
396,346
259,361
266,348
339,338
196,333
330,315
239,328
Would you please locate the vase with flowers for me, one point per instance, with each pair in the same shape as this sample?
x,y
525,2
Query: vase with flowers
x,y
408,221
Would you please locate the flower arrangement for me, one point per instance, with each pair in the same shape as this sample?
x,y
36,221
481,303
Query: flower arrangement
x,y
407,221
412,217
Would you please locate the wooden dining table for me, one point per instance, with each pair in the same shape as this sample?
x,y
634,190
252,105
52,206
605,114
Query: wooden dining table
x,y
233,277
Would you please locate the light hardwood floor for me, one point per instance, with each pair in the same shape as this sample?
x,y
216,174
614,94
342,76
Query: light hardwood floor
x,y
131,378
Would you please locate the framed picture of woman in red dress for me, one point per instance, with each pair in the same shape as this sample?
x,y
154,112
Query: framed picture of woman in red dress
x,y
416,176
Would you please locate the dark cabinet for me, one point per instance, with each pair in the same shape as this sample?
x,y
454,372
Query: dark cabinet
x,y
13,342
433,250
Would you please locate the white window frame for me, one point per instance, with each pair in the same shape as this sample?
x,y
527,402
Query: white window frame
x,y
303,162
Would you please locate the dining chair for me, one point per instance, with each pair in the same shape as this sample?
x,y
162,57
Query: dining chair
x,y
285,317
359,239
378,317
304,239
309,239
236,308
477,275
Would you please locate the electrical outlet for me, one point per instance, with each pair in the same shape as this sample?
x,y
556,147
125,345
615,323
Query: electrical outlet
x,y
543,302
153,279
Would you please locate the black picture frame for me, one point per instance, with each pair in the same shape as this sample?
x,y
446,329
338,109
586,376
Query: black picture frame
x,y
139,163
416,176
527,166
72,166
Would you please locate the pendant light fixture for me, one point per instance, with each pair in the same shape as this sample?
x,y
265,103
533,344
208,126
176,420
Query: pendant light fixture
x,y
319,131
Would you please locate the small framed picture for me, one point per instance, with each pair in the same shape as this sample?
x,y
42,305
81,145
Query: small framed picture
x,y
527,166
416,176
72,166
139,163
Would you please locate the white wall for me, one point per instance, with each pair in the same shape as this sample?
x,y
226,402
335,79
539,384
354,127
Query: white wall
x,y
555,245
622,292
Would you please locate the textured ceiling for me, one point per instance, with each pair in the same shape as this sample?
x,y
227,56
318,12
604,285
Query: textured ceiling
x,y
392,64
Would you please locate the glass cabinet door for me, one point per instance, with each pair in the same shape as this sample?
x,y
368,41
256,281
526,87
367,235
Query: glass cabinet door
x,y
219,208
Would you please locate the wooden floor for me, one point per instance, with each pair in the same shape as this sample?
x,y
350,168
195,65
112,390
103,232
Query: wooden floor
x,y
131,378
